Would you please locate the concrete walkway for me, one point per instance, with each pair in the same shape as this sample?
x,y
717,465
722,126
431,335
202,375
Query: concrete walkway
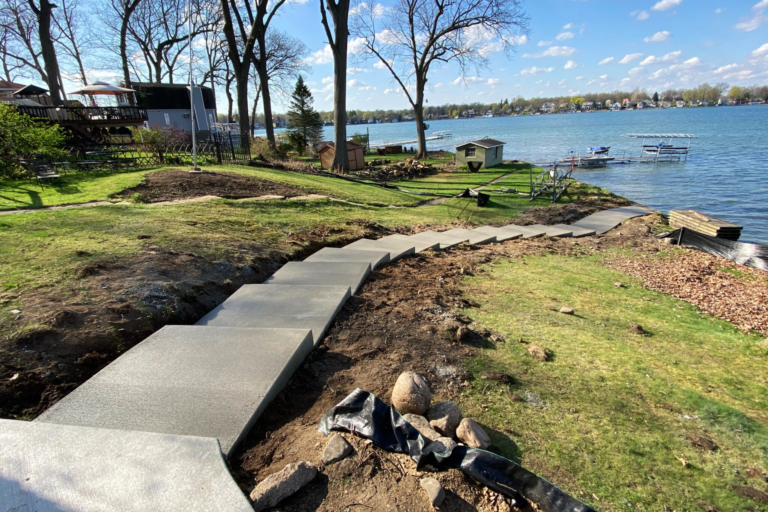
x,y
148,431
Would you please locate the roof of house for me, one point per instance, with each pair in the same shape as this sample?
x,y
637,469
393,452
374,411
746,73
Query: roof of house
x,y
5,84
31,90
483,143
169,96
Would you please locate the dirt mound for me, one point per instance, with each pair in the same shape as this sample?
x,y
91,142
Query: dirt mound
x,y
176,184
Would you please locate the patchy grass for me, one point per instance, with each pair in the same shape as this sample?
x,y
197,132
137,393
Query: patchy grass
x,y
609,416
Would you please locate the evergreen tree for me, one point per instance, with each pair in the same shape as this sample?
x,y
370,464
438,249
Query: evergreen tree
x,y
656,97
304,124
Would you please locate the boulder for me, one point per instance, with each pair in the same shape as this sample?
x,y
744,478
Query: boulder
x,y
463,334
566,311
471,434
421,424
434,490
637,329
502,377
337,449
445,417
539,353
278,486
411,394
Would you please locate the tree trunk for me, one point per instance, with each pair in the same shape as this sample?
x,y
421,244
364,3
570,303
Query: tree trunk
x,y
48,50
261,69
418,114
341,32
241,80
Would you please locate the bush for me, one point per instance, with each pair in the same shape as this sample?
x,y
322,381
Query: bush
x,y
24,137
138,197
261,148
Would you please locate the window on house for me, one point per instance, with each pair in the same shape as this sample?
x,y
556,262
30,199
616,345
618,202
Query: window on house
x,y
469,152
167,120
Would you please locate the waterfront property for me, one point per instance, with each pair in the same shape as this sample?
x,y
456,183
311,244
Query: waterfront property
x,y
488,152
168,105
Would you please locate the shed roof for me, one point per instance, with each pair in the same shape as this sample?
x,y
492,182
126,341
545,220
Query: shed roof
x,y
483,143
350,145
31,90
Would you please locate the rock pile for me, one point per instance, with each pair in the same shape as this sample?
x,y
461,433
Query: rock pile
x,y
381,170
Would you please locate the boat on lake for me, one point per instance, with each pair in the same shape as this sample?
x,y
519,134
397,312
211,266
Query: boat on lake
x,y
596,156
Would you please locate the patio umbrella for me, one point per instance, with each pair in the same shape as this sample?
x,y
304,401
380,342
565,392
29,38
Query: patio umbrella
x,y
101,88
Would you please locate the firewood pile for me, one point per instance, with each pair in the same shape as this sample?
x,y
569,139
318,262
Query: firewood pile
x,y
403,170
708,282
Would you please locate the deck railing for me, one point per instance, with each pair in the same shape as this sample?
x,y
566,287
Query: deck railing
x,y
86,115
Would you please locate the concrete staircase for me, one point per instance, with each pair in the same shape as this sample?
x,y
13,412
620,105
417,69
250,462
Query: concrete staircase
x,y
148,432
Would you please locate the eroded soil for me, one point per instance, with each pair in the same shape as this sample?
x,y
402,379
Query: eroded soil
x,y
176,184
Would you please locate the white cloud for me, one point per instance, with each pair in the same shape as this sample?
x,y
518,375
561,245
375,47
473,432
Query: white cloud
x,y
763,50
553,51
467,80
758,20
759,6
323,56
605,61
356,46
726,69
643,15
695,61
630,57
603,77
564,36
327,80
652,59
545,43
658,37
636,70
719,10
378,9
391,91
493,81
536,71
355,71
380,65
570,65
357,84
663,5
568,26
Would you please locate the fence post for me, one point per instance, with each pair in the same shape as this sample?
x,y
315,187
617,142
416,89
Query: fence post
x,y
217,145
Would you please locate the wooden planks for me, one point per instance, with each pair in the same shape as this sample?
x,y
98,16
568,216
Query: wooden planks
x,y
704,224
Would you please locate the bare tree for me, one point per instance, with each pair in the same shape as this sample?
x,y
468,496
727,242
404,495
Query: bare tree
x,y
338,41
251,32
44,14
412,36
212,54
9,65
21,48
116,15
73,37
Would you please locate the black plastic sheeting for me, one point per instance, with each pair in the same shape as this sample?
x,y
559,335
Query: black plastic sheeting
x,y
365,415
482,199
751,255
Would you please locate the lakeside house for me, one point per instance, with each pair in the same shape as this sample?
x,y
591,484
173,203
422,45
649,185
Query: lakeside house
x,y
487,151
548,107
616,106
169,105
588,105
679,103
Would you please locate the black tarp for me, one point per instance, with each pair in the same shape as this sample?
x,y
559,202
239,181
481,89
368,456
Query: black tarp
x,y
482,199
751,255
365,415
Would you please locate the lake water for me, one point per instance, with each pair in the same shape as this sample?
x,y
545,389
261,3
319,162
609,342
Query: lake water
x,y
726,174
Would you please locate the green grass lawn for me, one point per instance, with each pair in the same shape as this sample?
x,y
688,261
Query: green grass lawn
x,y
607,418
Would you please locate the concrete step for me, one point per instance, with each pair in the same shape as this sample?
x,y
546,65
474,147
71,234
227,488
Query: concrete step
x,y
420,243
321,273
330,254
442,241
49,468
500,234
553,231
189,380
396,248
606,220
473,237
576,232
285,306
525,231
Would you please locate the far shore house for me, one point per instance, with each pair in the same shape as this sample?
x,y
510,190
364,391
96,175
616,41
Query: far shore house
x,y
487,151
168,105
355,155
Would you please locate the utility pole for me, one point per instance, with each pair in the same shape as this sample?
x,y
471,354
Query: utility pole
x,y
195,168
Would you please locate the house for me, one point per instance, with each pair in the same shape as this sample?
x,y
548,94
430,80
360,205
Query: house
x,y
548,107
487,151
588,105
679,103
616,106
667,104
599,105
7,89
168,105
355,155
641,105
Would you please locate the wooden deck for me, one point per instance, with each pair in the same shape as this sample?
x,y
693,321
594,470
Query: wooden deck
x,y
88,116
704,224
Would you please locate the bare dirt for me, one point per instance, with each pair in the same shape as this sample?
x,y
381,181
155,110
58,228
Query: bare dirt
x,y
176,184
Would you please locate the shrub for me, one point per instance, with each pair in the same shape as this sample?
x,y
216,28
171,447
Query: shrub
x,y
138,197
24,137
261,148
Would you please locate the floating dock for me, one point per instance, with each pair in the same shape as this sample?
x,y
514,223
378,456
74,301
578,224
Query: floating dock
x,y
704,224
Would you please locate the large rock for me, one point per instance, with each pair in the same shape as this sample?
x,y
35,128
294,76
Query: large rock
x,y
411,394
471,434
421,424
442,446
445,417
538,352
337,449
278,486
434,490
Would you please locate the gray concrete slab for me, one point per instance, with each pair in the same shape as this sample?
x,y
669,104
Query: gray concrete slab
x,y
55,468
500,234
396,248
473,237
553,231
189,380
420,243
525,231
606,220
321,273
442,241
285,306
576,232
330,254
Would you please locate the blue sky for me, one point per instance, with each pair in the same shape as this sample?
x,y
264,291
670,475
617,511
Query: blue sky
x,y
574,46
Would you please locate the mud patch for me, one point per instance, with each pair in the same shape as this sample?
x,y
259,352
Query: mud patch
x,y
176,184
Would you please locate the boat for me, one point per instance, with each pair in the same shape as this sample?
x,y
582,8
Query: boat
x,y
489,114
665,150
596,156
443,134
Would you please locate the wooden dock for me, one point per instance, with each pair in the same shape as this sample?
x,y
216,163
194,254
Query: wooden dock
x,y
704,224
